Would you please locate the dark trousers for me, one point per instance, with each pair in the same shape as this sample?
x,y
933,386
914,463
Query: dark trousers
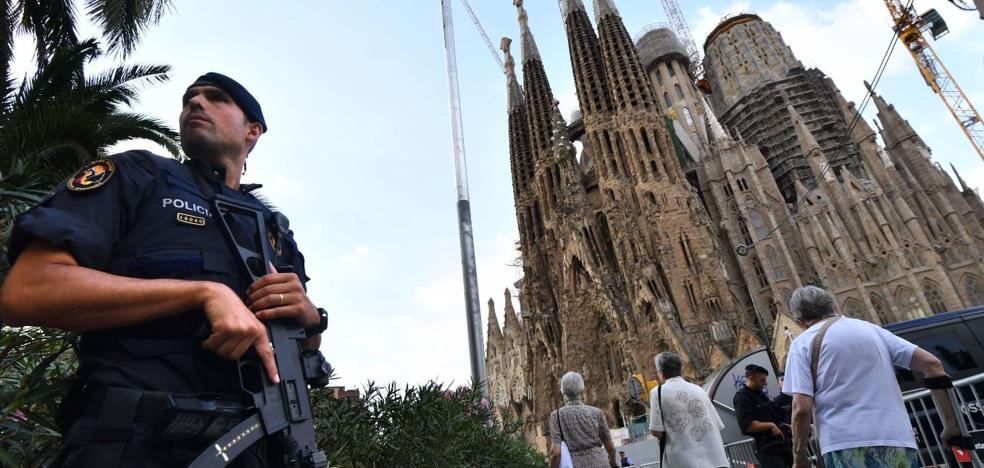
x,y
775,457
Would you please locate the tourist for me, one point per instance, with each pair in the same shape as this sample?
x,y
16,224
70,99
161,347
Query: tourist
x,y
582,427
861,419
624,459
758,418
684,419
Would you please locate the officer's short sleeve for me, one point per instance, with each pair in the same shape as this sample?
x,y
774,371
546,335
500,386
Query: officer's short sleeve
x,y
296,260
743,411
89,213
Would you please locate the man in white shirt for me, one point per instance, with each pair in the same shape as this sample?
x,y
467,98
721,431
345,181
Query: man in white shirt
x,y
684,419
860,417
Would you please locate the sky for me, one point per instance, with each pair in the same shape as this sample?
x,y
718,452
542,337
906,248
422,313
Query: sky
x,y
358,153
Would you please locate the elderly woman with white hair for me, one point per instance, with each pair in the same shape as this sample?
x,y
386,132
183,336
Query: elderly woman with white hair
x,y
583,427
843,370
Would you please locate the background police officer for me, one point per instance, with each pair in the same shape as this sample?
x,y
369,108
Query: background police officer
x,y
129,253
758,418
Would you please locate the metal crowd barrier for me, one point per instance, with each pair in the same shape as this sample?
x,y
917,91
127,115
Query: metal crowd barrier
x,y
741,454
927,425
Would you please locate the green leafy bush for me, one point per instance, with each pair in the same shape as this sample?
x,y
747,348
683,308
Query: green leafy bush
x,y
429,425
36,369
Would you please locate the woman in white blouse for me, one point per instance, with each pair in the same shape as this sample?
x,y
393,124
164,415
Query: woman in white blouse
x,y
684,419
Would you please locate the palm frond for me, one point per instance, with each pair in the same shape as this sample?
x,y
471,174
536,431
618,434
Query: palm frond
x,y
122,21
60,73
123,126
119,86
7,28
52,23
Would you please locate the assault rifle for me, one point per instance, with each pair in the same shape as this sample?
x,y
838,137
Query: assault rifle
x,y
279,411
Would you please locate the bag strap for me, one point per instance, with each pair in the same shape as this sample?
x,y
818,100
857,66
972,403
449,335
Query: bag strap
x,y
815,352
560,424
662,440
814,365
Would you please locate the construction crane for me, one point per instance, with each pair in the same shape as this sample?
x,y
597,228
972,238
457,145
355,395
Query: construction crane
x,y
910,28
682,31
485,37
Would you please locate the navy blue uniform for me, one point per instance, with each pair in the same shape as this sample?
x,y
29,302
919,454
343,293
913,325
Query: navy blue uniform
x,y
750,405
148,219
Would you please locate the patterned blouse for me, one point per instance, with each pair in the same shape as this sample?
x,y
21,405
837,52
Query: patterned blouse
x,y
584,429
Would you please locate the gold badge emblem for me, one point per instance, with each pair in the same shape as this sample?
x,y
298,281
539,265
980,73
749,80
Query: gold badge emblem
x,y
275,244
92,176
196,221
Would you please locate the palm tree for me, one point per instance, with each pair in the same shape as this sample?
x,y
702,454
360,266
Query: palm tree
x,y
60,118
52,23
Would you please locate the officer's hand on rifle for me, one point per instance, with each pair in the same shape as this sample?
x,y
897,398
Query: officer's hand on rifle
x,y
281,295
235,329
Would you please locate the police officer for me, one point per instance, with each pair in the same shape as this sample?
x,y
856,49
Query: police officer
x,y
758,418
130,253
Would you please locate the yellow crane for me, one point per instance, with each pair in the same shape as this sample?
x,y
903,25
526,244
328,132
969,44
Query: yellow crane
x,y
910,27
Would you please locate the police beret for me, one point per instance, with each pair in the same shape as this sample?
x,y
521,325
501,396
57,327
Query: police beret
x,y
756,369
239,94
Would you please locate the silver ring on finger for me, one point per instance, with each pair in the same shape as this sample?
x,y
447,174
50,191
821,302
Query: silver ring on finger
x,y
281,298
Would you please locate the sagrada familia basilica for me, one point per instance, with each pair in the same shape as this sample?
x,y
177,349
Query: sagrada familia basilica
x,y
690,215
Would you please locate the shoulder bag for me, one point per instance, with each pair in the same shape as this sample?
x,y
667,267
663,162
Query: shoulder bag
x,y
565,452
662,440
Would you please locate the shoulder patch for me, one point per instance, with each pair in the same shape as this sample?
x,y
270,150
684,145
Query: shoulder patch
x,y
93,175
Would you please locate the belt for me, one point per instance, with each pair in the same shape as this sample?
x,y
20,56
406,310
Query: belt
x,y
117,409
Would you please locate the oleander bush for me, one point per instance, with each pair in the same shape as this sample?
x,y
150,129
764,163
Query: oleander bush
x,y
428,425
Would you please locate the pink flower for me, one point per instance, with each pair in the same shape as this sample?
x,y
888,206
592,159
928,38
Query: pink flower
x,y
448,394
19,416
484,403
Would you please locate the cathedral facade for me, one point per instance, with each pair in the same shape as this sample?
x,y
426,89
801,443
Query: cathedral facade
x,y
669,231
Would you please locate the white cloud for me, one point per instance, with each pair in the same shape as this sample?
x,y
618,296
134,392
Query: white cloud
x,y
356,257
426,337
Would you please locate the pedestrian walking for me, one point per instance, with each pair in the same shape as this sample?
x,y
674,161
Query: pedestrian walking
x,y
684,419
842,371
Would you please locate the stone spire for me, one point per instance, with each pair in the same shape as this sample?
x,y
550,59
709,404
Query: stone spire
x,y
539,97
801,190
603,8
963,185
718,135
515,98
520,150
629,83
896,129
568,6
811,149
530,52
593,92
512,329
494,332
861,130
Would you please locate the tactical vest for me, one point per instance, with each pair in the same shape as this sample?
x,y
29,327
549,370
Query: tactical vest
x,y
175,235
